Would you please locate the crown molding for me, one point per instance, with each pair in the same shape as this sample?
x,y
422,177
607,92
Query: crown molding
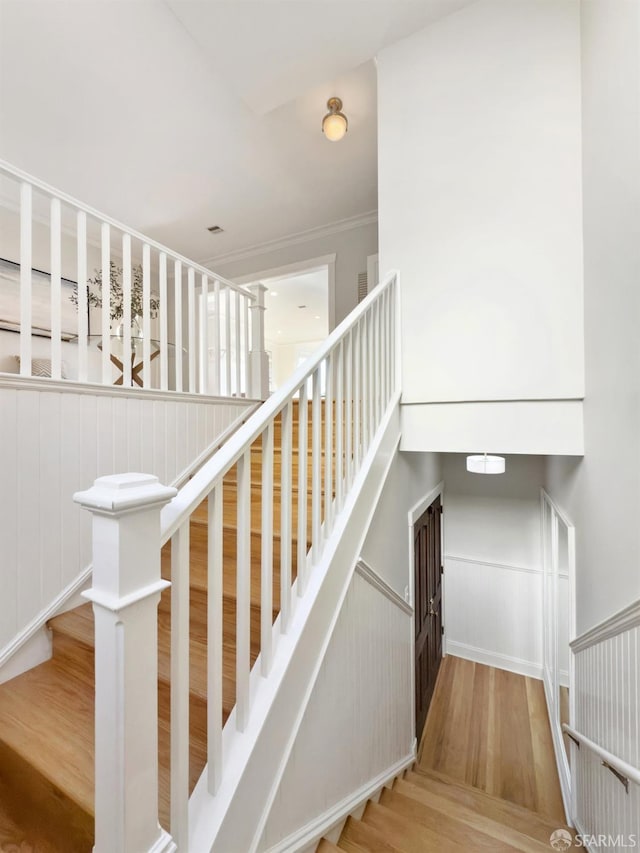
x,y
299,237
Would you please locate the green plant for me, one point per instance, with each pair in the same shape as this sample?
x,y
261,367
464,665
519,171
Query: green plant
x,y
116,302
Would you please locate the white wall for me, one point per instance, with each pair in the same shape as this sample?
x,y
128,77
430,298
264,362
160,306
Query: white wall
x,y
602,493
358,723
55,441
351,248
284,358
480,201
493,572
386,548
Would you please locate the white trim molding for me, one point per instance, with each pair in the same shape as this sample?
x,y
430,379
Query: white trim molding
x,y
295,239
313,831
618,623
373,578
504,566
511,664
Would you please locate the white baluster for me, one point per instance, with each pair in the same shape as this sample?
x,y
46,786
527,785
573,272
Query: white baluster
x,y
56,289
377,385
191,297
285,516
106,304
227,340
238,346
178,322
164,322
83,307
328,447
243,591
127,318
339,425
214,638
357,396
180,686
266,576
259,368
316,470
204,337
303,426
217,355
125,594
26,228
146,315
385,348
370,377
349,409
246,373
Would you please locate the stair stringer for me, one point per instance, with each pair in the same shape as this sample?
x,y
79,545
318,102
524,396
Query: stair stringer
x,y
234,818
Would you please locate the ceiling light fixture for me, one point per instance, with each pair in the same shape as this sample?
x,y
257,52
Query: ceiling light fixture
x,y
334,124
485,464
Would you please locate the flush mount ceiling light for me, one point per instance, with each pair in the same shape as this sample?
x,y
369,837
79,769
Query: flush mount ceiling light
x,y
334,124
485,464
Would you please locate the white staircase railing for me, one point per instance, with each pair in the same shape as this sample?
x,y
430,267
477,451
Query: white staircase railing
x,y
359,370
605,732
118,307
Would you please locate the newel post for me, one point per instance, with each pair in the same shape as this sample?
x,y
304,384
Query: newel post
x,y
259,359
125,594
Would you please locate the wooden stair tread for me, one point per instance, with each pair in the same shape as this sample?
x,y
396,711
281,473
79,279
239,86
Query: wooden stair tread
x,y
456,821
47,718
535,825
78,625
327,847
406,833
357,836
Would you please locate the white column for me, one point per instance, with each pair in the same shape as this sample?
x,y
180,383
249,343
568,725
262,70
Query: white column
x,y
125,594
259,360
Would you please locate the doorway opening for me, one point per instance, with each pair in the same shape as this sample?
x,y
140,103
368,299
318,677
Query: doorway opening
x,y
296,321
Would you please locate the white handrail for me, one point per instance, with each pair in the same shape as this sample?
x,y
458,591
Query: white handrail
x,y
197,489
618,623
13,172
627,770
375,580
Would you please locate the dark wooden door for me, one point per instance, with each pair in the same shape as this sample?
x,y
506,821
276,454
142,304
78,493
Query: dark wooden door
x,y
427,548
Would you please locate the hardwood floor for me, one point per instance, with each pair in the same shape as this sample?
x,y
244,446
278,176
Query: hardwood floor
x,y
485,779
489,729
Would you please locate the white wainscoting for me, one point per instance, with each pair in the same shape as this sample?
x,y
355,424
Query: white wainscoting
x,y
55,441
357,728
607,711
492,613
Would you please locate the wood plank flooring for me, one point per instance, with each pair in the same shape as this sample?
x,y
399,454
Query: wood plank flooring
x,y
489,728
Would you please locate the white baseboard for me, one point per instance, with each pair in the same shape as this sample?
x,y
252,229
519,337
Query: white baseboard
x,y
511,664
36,649
581,831
311,833
28,645
562,764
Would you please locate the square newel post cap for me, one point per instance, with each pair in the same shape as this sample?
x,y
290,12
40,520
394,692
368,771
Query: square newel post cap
x,y
119,494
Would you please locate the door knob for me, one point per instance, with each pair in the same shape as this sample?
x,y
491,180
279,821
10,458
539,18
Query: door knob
x,y
432,612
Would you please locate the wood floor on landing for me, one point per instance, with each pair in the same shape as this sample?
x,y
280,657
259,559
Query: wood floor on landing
x,y
489,728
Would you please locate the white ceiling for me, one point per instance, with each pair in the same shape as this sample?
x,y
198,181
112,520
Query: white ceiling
x,y
173,116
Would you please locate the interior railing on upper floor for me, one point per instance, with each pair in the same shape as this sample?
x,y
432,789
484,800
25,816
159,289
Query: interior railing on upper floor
x,y
94,301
